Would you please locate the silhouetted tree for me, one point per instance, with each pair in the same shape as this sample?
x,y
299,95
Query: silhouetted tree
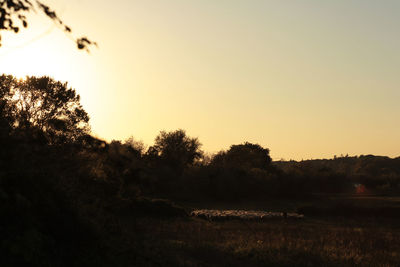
x,y
13,16
244,156
175,149
43,107
135,145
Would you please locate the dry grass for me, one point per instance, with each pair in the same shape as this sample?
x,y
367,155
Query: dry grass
x,y
336,242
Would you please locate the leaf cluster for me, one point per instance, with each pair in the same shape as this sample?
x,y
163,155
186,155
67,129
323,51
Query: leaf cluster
x,y
13,16
43,106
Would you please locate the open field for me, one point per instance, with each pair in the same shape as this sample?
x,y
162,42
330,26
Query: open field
x,y
308,242
312,241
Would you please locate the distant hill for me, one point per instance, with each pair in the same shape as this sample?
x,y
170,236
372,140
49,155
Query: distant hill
x,y
378,173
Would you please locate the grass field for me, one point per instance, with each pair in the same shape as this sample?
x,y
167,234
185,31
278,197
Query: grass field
x,y
310,242
313,241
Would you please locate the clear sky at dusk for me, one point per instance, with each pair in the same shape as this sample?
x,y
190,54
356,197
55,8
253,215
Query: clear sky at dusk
x,y
307,79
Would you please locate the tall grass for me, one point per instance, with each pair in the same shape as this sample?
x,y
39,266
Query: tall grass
x,y
277,243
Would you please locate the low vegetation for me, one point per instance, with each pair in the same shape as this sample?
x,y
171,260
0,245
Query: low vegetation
x,y
308,242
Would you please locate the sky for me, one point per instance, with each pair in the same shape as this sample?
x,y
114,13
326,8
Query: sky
x,y
306,79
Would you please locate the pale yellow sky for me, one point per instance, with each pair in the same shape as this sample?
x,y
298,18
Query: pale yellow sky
x,y
307,79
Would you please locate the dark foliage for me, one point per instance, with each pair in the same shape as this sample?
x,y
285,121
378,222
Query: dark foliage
x,y
166,161
175,149
63,193
13,16
379,175
43,109
244,156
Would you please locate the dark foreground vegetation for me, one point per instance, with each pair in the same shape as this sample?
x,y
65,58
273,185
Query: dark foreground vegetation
x,y
310,242
70,199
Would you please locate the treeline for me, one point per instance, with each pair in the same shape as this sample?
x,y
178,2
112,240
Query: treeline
x,y
374,174
172,168
41,117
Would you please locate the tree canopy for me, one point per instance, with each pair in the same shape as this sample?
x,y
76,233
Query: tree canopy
x,y
13,17
245,156
176,149
43,105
